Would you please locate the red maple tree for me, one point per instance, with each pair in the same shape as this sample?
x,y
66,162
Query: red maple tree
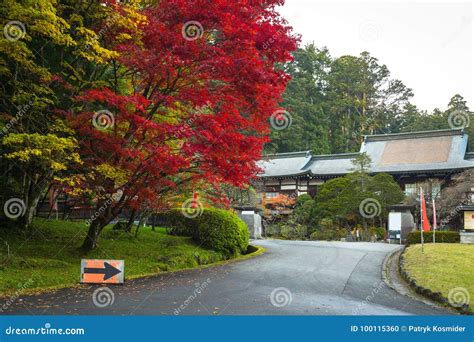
x,y
201,84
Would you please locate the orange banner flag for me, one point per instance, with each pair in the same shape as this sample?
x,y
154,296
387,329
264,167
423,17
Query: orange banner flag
x,y
426,222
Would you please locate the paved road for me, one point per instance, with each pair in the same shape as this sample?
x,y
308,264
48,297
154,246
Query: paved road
x,y
291,278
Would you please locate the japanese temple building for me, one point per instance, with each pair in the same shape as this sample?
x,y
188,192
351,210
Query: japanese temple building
x,y
429,157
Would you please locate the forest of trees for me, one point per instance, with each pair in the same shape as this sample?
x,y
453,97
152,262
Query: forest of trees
x,y
333,102
124,104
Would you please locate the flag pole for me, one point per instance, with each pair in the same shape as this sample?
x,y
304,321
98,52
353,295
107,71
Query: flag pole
x,y
435,223
421,219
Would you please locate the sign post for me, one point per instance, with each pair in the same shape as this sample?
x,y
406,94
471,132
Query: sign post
x,y
421,219
435,222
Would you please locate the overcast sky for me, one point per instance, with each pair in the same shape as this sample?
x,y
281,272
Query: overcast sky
x,y
428,45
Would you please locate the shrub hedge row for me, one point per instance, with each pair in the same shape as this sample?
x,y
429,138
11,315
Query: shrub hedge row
x,y
328,234
441,236
216,229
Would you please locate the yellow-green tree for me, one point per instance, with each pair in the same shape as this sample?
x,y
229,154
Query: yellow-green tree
x,y
50,51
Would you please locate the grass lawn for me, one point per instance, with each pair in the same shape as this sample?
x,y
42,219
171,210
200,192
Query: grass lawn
x,y
50,257
442,267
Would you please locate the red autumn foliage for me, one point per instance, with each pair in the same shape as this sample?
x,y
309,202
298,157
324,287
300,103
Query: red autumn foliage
x,y
199,104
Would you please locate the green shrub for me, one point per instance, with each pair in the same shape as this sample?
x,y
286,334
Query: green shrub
x,y
304,213
441,236
341,233
273,229
293,231
222,231
329,234
216,229
301,199
327,224
321,235
379,232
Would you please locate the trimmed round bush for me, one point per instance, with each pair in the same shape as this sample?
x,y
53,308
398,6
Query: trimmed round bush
x,y
222,231
216,229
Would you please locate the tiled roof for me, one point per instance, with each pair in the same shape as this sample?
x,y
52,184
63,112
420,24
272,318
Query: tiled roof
x,y
428,151
285,164
331,164
419,151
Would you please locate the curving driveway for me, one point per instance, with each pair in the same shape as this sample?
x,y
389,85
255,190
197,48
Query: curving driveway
x,y
291,278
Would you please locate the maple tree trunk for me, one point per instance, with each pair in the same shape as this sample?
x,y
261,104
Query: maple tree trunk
x,y
131,219
96,226
143,220
153,224
92,236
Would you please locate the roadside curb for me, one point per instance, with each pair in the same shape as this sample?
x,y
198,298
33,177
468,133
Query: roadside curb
x,y
385,270
435,296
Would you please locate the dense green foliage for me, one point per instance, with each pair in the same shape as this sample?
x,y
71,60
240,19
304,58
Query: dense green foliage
x,y
328,234
333,102
358,198
441,236
355,201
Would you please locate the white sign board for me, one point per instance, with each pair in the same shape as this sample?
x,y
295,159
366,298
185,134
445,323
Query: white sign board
x,y
395,221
